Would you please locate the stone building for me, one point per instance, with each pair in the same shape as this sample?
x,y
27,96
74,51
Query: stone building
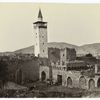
x,y
61,66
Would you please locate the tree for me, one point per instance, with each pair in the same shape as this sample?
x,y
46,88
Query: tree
x,y
3,72
89,55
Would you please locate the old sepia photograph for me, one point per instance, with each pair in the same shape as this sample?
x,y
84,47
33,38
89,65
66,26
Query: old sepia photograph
x,y
49,50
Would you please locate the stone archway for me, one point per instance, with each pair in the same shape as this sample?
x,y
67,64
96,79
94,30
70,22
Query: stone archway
x,y
98,83
91,84
82,82
43,76
69,82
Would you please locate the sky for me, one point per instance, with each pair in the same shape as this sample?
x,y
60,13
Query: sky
x,y
76,24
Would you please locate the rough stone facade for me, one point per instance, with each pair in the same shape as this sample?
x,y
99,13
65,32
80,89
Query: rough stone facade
x,y
27,71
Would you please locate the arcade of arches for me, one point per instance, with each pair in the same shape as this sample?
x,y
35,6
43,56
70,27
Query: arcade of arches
x,y
83,82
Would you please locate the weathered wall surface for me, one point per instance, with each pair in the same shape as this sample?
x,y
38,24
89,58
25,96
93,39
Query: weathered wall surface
x,y
65,74
30,70
71,54
26,70
57,71
54,54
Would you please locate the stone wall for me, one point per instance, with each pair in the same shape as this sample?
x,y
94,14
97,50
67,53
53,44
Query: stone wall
x,y
27,70
54,55
65,74
30,70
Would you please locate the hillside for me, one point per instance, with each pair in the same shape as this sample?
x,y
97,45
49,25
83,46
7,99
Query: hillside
x,y
61,45
30,49
84,49
90,48
27,50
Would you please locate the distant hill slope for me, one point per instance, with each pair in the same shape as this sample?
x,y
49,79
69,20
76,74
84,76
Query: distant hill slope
x,y
90,48
81,50
84,49
61,45
6,53
27,50
30,49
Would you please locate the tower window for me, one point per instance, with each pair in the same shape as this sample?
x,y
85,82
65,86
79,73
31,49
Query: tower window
x,y
43,50
43,43
63,55
42,36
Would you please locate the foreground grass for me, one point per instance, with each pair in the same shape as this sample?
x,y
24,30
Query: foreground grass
x,y
43,90
56,91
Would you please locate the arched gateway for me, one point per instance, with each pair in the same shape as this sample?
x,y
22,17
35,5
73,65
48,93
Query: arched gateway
x,y
69,82
82,82
91,84
43,76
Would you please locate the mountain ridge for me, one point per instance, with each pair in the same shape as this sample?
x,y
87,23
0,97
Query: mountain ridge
x,y
93,48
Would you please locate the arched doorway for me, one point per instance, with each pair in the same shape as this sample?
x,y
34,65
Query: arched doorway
x,y
69,82
91,84
82,82
98,83
43,76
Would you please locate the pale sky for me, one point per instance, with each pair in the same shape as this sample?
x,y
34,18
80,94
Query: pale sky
x,y
76,24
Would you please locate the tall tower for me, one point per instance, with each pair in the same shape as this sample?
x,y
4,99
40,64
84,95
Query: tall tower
x,y
40,33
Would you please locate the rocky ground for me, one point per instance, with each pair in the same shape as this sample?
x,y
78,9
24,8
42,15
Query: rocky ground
x,y
43,90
